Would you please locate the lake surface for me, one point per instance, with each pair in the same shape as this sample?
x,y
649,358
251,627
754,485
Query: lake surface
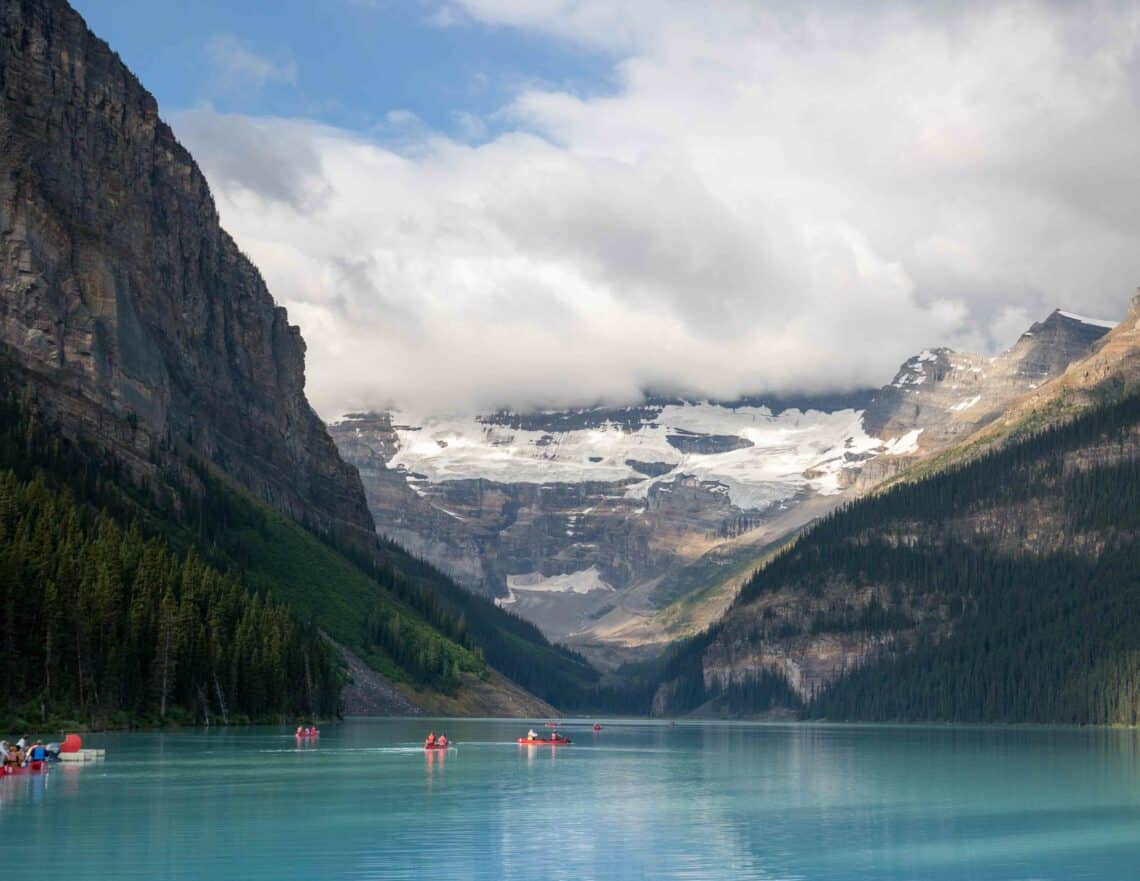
x,y
639,800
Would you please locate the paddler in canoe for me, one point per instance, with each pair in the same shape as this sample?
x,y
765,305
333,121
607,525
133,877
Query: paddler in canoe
x,y
554,737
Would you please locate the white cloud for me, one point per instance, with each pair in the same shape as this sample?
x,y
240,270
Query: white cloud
x,y
234,65
789,200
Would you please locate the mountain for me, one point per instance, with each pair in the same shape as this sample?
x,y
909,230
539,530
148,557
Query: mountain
x,y
133,316
619,529
997,586
944,396
571,518
155,391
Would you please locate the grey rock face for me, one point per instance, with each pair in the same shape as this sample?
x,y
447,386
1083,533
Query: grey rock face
x,y
949,394
485,532
707,444
132,315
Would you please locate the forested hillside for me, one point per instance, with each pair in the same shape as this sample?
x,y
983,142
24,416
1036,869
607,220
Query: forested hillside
x,y
400,615
103,623
75,531
1005,589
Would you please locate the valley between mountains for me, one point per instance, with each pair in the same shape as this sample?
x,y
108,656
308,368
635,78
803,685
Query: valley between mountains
x,y
619,529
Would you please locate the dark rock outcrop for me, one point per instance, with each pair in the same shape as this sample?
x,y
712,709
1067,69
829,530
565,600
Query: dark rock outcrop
x,y
707,444
133,317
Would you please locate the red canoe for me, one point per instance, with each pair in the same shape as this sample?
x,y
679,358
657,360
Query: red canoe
x,y
30,768
447,745
544,741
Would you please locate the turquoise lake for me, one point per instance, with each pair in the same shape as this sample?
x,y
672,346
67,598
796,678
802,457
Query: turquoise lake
x,y
638,800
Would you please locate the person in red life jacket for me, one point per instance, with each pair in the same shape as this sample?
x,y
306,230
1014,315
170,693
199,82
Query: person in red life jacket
x,y
300,731
430,739
441,740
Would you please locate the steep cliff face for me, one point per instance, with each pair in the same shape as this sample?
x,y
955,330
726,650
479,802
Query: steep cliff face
x,y
132,315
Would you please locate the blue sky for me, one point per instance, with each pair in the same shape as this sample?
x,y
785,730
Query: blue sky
x,y
348,63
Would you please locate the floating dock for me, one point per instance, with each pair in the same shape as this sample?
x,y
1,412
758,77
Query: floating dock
x,y
84,755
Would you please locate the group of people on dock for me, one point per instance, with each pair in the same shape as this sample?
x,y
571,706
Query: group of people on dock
x,y
21,753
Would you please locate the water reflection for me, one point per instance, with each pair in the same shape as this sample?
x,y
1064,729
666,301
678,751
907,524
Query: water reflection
x,y
644,800
435,759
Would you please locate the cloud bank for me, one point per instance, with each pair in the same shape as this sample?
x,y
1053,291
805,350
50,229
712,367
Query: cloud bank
x,y
778,200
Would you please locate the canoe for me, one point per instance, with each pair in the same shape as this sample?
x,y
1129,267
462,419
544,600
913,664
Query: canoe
x,y
448,745
544,741
30,768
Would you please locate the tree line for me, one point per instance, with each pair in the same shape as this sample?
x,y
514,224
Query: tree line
x,y
103,624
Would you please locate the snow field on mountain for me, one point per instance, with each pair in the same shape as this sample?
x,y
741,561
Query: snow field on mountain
x,y
784,447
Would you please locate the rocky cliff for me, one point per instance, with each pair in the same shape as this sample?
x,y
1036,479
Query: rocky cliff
x,y
947,395
132,316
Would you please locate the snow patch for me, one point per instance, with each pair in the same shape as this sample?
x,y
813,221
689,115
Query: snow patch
x,y
966,404
583,581
1095,322
900,446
